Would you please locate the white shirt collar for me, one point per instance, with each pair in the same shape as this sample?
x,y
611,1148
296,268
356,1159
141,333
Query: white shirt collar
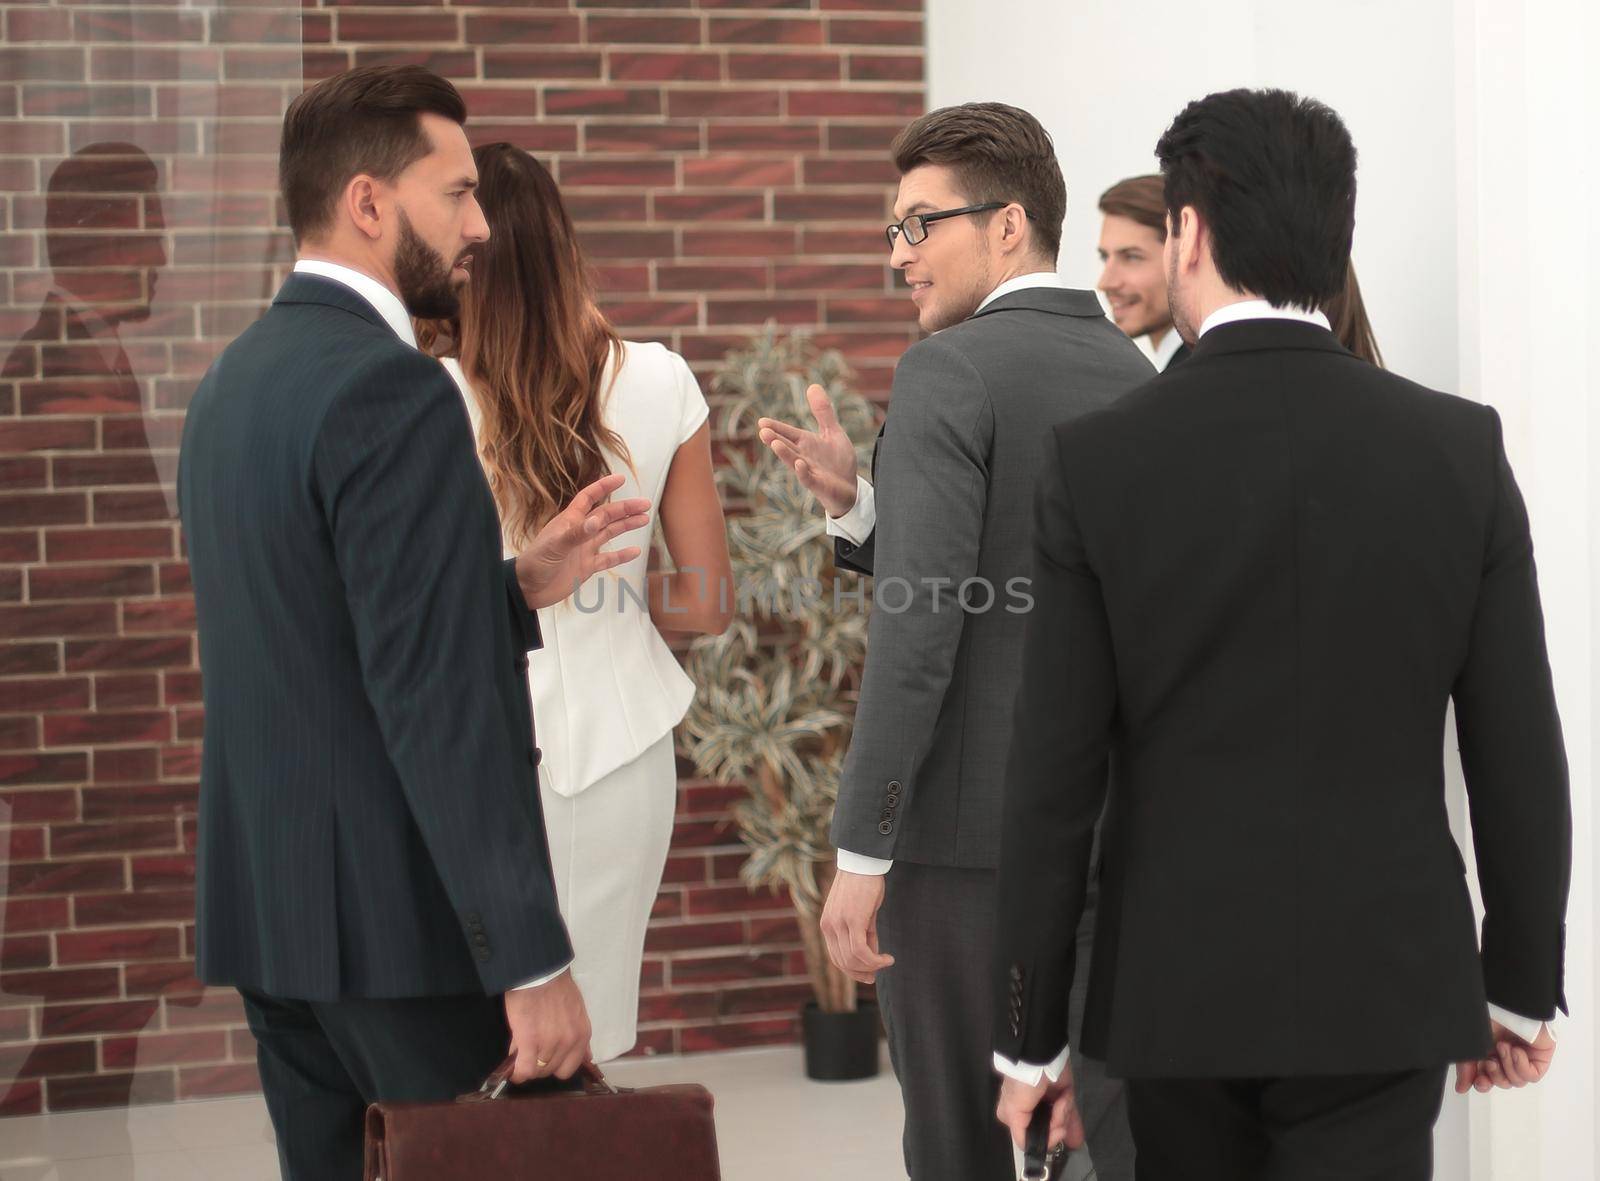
x,y
385,302
1022,283
1259,309
1163,353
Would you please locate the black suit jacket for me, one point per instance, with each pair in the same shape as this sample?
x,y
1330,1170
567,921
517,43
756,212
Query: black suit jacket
x,y
369,819
1260,581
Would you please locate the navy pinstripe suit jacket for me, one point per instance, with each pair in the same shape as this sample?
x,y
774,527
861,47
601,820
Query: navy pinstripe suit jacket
x,y
369,819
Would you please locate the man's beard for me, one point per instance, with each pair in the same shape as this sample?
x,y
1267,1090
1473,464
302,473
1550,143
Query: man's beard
x,y
959,309
423,276
1175,308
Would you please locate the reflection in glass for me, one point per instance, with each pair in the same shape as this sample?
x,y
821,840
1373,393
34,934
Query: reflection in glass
x,y
137,192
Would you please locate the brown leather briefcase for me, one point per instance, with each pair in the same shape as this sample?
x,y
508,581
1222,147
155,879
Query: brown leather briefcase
x,y
601,1131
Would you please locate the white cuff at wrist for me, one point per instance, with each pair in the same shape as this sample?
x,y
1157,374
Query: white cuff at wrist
x,y
858,522
861,863
1030,1073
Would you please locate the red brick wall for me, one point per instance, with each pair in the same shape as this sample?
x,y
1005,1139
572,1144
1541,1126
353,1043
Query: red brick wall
x,y
726,163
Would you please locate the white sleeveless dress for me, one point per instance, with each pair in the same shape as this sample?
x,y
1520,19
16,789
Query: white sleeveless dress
x,y
607,692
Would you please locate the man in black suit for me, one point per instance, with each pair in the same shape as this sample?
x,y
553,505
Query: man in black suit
x,y
373,874
1260,581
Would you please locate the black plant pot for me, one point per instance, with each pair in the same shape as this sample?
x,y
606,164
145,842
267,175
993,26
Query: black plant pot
x,y
840,1046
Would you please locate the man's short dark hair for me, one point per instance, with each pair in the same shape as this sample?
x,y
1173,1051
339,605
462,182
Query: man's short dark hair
x,y
1273,175
361,122
1140,199
998,153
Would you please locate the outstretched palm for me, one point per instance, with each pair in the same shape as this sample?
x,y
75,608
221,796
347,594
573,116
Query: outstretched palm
x,y
567,551
824,460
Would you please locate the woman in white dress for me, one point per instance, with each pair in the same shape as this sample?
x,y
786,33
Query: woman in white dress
x,y
556,400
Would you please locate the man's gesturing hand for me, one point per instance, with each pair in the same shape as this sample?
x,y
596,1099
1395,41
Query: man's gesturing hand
x,y
1515,1063
549,1029
824,460
850,925
566,552
1018,1099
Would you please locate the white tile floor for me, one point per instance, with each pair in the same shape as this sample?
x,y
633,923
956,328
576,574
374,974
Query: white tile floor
x,y
772,1125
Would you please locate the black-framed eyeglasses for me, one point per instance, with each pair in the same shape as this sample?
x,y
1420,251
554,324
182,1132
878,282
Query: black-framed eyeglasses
x,y
915,227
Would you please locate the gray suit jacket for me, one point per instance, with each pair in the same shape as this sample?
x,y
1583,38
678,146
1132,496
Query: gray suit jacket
x,y
970,415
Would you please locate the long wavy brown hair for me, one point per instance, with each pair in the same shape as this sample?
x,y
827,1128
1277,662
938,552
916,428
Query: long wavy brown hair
x,y
533,345
1347,314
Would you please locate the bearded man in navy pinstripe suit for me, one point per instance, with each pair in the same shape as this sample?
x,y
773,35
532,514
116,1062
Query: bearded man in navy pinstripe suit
x,y
373,874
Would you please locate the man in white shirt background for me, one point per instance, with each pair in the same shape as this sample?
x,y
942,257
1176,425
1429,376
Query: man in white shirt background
x,y
943,529
1133,235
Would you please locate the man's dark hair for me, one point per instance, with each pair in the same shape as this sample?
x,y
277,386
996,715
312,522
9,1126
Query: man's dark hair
x,y
1273,176
998,153
361,122
1140,199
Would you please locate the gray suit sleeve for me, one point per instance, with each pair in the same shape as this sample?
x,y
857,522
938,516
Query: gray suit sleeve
x,y
418,545
932,491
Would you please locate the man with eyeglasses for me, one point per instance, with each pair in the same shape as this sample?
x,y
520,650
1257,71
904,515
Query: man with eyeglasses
x,y
948,521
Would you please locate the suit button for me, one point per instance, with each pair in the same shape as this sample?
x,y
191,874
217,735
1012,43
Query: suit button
x,y
483,955
886,828
522,664
894,787
1016,1029
473,919
535,756
1016,974
481,939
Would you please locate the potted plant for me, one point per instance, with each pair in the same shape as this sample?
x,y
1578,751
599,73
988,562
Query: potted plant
x,y
775,694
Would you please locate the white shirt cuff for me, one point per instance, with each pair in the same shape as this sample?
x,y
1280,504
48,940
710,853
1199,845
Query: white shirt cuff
x,y
1030,1073
857,524
544,979
1527,1028
861,863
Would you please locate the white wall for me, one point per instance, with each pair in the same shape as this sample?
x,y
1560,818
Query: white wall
x,y
1106,83
1528,318
1476,247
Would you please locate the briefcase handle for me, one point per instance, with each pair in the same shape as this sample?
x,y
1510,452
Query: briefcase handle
x,y
1039,1160
594,1082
